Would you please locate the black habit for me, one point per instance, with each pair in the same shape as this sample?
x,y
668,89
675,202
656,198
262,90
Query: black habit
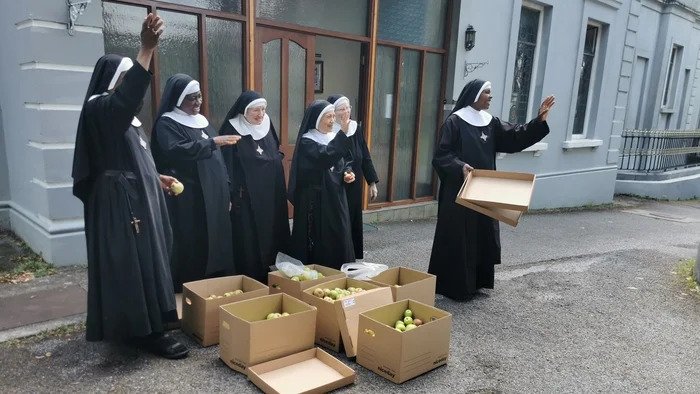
x,y
321,232
467,244
128,235
259,220
183,147
364,170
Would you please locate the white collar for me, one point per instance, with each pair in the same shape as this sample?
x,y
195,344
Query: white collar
x,y
350,132
134,122
258,132
474,117
194,121
319,137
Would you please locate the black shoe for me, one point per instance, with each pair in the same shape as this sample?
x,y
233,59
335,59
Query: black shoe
x,y
166,346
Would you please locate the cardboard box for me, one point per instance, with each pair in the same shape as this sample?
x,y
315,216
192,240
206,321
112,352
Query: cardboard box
x,y
406,283
280,283
348,310
327,327
310,371
501,195
200,316
246,338
400,356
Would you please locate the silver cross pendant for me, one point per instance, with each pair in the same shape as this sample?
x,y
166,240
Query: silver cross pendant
x,y
260,151
484,136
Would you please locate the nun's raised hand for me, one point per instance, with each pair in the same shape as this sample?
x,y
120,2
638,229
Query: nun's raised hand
x,y
345,123
151,29
546,105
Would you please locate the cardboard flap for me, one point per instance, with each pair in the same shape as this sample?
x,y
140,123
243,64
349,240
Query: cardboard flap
x,y
348,314
507,216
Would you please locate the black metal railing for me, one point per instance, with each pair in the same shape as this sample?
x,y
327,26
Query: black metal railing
x,y
659,150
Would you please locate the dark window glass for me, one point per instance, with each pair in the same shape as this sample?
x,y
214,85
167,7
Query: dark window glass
x,y
585,78
524,63
216,5
419,22
337,15
225,67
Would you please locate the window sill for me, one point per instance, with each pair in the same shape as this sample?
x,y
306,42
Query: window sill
x,y
581,143
536,150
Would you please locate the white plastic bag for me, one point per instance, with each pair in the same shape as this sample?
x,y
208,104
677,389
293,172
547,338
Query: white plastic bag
x,y
292,267
363,270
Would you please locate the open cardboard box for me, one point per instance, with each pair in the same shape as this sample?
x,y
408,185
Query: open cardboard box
x,y
408,283
246,338
280,283
400,356
310,371
501,195
327,327
200,316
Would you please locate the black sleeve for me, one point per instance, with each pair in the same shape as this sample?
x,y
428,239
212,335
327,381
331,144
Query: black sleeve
x,y
326,156
174,142
119,108
446,159
367,165
511,138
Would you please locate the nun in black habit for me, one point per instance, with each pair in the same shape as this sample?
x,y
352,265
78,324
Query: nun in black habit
x,y
361,165
186,146
321,232
128,237
258,192
467,244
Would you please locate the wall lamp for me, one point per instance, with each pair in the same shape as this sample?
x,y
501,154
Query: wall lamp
x,y
469,38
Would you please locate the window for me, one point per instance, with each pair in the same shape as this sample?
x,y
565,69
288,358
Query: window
x,y
338,15
418,22
671,78
525,60
214,58
588,72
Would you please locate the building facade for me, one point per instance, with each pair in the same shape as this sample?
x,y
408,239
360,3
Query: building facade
x,y
402,63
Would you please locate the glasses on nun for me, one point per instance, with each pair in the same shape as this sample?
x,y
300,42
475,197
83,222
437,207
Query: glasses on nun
x,y
344,108
194,97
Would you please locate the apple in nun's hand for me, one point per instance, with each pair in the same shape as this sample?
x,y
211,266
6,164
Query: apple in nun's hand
x,y
177,187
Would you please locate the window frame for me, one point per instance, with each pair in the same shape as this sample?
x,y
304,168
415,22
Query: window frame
x,y
671,79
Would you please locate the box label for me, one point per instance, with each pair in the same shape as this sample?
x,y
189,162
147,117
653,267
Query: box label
x,y
348,302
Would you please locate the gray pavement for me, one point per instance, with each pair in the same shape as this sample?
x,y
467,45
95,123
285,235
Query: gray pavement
x,y
584,301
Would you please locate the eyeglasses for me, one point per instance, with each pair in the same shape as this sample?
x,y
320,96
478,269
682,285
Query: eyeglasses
x,y
193,97
345,108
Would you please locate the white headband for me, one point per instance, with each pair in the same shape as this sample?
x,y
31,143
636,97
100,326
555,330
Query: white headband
x,y
260,102
192,87
329,108
486,85
124,65
341,101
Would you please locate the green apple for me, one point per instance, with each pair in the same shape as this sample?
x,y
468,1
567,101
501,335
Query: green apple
x,y
318,292
410,327
270,316
177,187
327,292
398,329
334,294
408,313
398,322
327,298
285,314
407,320
295,278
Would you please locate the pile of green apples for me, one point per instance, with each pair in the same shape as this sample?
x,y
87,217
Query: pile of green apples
x,y
331,295
275,315
227,294
308,274
408,322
